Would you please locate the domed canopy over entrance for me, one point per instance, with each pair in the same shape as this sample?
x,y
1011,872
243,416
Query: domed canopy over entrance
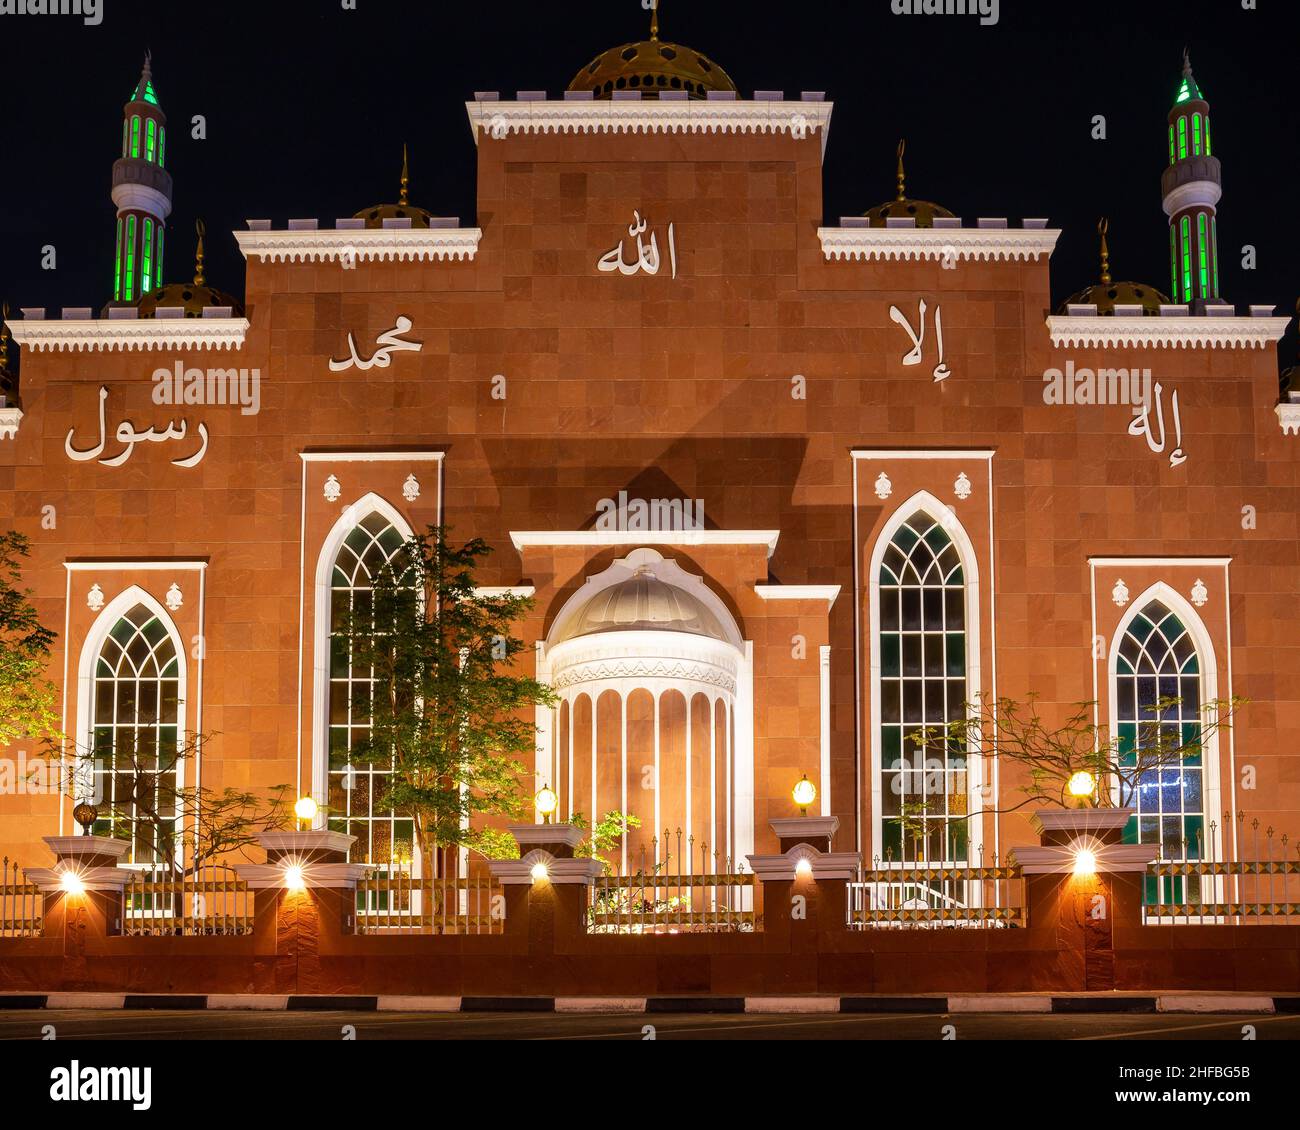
x,y
647,659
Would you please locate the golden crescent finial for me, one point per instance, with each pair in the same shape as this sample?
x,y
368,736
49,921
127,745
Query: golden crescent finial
x,y
1103,226
201,230
902,176
4,338
404,197
654,19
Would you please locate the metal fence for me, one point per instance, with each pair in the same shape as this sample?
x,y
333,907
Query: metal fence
x,y
212,901
396,902
936,896
680,891
22,906
1198,886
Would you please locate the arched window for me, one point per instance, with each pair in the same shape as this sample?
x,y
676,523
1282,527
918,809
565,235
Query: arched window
x,y
921,620
355,789
1196,134
1182,139
146,252
135,728
135,137
128,280
150,139
1157,662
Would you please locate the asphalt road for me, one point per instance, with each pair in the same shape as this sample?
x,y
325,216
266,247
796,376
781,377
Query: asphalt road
x,y
222,1025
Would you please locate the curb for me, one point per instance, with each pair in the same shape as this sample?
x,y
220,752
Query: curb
x,y
882,1005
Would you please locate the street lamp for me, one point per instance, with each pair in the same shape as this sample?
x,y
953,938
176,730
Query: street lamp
x,y
804,793
547,802
1081,786
294,880
305,810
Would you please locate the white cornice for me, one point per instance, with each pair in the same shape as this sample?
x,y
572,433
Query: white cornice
x,y
920,453
1185,333
129,334
133,566
370,456
500,119
524,539
828,593
937,243
1142,562
360,245
1288,416
10,418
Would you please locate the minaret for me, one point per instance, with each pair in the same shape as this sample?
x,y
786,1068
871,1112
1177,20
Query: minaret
x,y
142,191
1192,186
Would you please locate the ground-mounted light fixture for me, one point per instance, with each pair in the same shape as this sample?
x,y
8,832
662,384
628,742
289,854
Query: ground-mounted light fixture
x,y
547,802
804,793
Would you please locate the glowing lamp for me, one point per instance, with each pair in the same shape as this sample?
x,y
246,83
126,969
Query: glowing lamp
x,y
1085,862
547,802
305,809
539,872
1082,785
804,793
803,867
71,883
294,879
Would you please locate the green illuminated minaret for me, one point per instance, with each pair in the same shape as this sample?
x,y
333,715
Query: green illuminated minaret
x,y
1192,186
142,191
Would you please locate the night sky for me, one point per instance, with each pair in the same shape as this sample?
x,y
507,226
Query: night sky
x,y
308,104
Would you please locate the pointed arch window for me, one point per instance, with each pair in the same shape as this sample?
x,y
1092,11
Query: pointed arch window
x,y
1158,689
355,789
135,731
921,621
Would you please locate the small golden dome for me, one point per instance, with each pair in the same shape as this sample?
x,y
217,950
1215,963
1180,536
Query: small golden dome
x,y
1107,294
652,66
8,380
195,296
402,210
903,206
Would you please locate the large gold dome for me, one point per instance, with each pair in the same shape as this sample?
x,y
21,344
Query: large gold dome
x,y
651,67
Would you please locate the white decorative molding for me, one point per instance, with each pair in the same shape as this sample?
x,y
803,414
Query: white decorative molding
x,y
411,488
1200,594
10,418
125,565
1288,417
95,598
360,244
682,670
527,538
962,487
828,593
1120,594
641,655
500,119
884,486
1144,562
174,598
921,453
371,456
1177,333
947,244
129,334
527,591
333,490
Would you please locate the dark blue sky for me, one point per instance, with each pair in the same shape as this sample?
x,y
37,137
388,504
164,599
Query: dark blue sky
x,y
308,104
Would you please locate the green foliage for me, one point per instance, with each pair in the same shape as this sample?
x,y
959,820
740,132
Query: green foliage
x,y
27,697
493,843
605,836
446,712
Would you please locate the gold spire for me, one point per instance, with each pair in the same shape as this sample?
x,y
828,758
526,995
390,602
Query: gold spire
x,y
199,280
902,176
654,20
1103,226
404,197
4,339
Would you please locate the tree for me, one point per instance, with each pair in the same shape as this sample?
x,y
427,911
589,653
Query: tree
x,y
446,712
145,806
27,697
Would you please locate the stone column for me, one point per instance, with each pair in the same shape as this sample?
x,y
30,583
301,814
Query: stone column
x,y
1081,883
547,887
83,890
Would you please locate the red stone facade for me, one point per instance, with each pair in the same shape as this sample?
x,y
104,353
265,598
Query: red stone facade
x,y
673,388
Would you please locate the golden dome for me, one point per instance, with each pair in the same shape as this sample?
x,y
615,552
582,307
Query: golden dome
x,y
8,381
903,206
402,210
644,603
195,296
652,66
1107,294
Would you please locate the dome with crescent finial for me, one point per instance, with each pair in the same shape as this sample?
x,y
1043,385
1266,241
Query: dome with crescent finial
x,y
904,207
194,296
8,379
402,210
652,66
1106,294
